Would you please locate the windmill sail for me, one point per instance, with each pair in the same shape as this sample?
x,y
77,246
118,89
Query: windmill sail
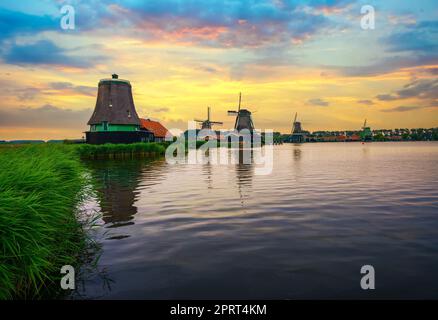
x,y
295,121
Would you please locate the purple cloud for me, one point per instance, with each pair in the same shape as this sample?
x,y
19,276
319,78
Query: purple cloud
x,y
318,102
45,52
425,89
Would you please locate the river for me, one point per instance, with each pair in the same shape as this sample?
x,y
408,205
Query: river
x,y
304,231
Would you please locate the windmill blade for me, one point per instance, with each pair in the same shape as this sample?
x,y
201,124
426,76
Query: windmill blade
x,y
196,120
216,122
237,120
293,124
208,113
240,101
232,113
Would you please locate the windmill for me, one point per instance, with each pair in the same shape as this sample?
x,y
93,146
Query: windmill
x,y
366,133
206,124
296,126
297,134
243,117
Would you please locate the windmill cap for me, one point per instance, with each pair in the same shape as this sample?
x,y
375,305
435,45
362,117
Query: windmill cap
x,y
114,79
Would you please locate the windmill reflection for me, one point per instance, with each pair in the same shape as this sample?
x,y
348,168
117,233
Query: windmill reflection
x,y
244,171
297,153
117,184
207,173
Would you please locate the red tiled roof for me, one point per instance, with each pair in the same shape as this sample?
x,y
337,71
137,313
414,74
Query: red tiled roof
x,y
157,128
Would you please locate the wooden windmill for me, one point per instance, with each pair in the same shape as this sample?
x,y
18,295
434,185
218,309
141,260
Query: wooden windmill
x,y
115,119
366,133
296,126
243,117
297,134
207,124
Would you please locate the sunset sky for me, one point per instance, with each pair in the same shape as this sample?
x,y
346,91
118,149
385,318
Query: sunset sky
x,y
285,56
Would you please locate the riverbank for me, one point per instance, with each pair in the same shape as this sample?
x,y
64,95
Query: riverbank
x,y
120,151
40,189
134,150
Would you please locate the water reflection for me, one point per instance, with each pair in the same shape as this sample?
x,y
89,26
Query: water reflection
x,y
244,173
207,173
297,153
303,231
115,185
244,167
118,187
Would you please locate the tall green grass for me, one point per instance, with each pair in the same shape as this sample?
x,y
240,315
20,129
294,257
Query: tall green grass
x,y
40,187
111,151
133,150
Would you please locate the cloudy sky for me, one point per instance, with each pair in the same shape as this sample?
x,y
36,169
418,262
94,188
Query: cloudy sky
x,y
286,56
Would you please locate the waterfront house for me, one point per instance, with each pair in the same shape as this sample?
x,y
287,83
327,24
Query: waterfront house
x,y
115,119
159,131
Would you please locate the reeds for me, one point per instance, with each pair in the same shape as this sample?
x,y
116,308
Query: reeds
x,y
40,188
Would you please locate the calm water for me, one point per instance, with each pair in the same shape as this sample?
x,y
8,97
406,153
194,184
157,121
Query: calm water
x,y
304,231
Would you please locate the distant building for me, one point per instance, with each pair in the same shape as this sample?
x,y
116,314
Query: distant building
x,y
158,130
115,119
355,137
